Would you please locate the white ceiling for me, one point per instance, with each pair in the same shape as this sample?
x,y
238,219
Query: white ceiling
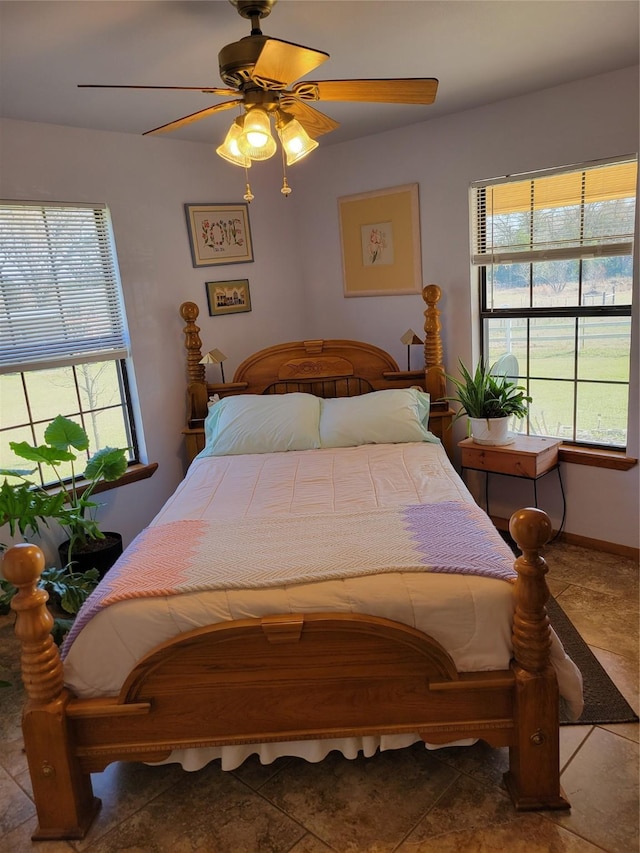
x,y
481,51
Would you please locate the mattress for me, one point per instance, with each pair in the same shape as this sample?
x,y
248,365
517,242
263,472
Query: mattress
x,y
469,615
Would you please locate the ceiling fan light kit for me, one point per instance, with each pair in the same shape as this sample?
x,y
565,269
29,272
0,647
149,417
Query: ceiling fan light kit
x,y
295,140
259,69
230,150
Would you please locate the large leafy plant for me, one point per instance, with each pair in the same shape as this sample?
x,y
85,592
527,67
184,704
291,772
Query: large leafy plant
x,y
484,395
67,590
25,505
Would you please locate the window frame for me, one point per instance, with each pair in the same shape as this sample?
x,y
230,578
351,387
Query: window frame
x,y
485,259
35,260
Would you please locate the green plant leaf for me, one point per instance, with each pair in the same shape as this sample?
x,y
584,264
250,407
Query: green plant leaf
x,y
108,464
7,591
43,454
17,472
64,433
485,395
71,588
24,507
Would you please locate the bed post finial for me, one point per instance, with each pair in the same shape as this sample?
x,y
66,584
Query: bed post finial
x,y
189,312
433,354
531,529
41,666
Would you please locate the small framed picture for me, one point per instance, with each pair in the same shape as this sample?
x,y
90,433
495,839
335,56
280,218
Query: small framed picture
x,y
228,297
219,234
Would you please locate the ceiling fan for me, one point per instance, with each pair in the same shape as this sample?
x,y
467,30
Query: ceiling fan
x,y
260,72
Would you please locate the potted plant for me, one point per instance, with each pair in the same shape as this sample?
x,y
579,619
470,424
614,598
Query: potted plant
x,y
23,508
86,546
490,401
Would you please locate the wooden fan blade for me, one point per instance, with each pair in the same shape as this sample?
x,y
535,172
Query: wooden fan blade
x,y
417,90
212,90
181,122
282,62
313,121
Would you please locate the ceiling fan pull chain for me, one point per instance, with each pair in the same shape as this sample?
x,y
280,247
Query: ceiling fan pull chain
x,y
286,189
248,195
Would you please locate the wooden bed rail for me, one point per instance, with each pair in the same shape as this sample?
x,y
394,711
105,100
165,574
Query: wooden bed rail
x,y
408,672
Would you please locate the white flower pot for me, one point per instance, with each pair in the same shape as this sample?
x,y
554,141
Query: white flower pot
x,y
494,431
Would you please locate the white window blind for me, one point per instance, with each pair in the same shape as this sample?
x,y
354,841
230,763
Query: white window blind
x,y
60,296
573,213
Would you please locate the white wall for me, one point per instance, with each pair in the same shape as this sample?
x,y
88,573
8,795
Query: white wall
x,y
145,183
582,121
296,280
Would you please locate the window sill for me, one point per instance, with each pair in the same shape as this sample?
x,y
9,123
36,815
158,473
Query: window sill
x,y
135,472
615,459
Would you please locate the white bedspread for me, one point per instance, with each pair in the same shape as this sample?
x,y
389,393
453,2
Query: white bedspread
x,y
471,616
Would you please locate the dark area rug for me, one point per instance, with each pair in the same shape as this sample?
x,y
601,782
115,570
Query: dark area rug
x,y
603,702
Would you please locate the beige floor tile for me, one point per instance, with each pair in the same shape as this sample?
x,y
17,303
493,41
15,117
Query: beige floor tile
x,y
623,671
527,834
465,805
556,585
605,813
16,805
482,762
594,570
605,621
310,844
208,811
19,841
12,755
254,774
365,804
124,788
571,739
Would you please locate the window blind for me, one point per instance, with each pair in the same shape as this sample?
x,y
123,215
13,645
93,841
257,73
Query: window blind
x,y
60,296
575,213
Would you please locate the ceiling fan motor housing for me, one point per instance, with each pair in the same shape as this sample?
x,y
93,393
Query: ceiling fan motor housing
x,y
237,60
253,8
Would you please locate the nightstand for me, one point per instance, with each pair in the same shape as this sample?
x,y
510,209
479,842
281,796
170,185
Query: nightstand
x,y
528,457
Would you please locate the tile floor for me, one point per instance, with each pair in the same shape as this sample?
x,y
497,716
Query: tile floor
x,y
406,801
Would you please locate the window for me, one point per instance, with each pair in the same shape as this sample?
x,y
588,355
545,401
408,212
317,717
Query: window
x,y
555,254
63,338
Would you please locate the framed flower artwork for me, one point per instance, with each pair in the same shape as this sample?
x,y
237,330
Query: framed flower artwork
x,y
380,233
219,234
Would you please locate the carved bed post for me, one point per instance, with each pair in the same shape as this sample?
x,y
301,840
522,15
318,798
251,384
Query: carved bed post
x,y
533,779
433,353
189,312
62,792
197,388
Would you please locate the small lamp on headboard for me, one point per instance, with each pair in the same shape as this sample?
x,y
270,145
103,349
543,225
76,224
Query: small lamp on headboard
x,y
410,338
214,356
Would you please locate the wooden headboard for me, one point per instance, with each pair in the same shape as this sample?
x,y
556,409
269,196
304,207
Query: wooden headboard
x,y
326,368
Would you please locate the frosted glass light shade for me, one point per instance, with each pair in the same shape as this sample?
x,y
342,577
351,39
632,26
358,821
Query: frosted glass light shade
x,y
296,141
229,149
256,141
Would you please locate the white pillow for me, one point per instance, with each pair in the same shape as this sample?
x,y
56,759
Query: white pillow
x,y
381,417
255,423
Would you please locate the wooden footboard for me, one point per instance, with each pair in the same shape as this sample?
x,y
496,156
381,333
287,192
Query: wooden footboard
x,y
295,676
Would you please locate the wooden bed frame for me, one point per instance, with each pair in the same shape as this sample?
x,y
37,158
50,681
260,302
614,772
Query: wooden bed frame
x,y
326,368
289,677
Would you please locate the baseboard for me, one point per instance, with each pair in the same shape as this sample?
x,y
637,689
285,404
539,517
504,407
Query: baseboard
x,y
584,541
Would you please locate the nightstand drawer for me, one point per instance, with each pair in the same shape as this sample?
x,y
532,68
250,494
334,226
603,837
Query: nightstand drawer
x,y
528,456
